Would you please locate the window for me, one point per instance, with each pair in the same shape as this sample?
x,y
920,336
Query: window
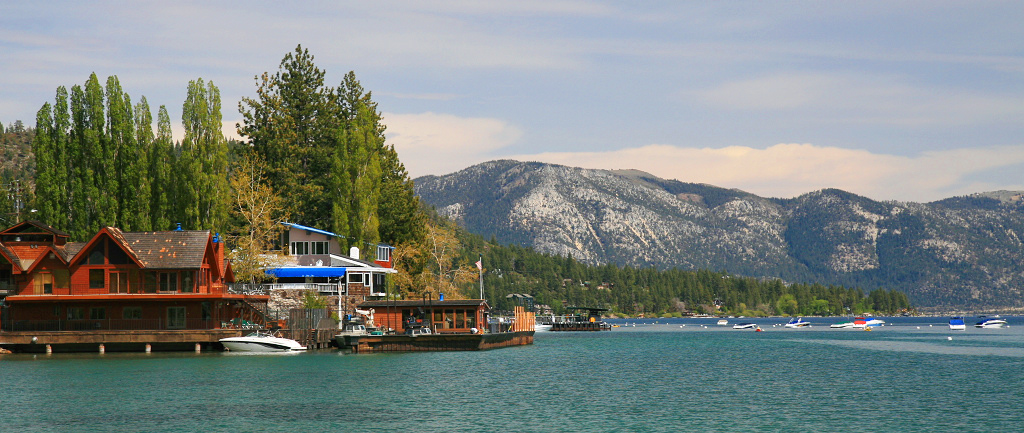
x,y
315,247
383,253
175,317
207,311
75,313
355,278
96,255
97,313
150,281
168,281
131,313
97,278
117,255
118,282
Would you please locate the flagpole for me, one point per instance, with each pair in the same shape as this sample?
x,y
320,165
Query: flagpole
x,y
480,266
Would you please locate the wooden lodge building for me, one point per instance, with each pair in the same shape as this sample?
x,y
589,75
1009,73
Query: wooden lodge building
x,y
122,283
443,317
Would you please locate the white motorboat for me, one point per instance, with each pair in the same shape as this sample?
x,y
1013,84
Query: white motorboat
x,y
542,327
745,325
957,324
842,325
861,322
261,341
798,323
991,324
723,322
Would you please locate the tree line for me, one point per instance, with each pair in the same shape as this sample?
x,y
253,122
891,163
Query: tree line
x,y
100,161
317,155
560,282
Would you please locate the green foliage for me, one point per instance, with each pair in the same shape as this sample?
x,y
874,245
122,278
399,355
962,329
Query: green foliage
x,y
313,300
102,164
325,150
561,282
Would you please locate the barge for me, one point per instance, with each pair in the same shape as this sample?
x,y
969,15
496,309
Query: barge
x,y
436,325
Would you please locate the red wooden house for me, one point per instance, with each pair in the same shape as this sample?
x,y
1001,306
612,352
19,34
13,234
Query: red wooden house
x,y
117,281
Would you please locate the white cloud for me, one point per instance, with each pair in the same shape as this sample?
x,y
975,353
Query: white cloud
x,y
433,143
788,170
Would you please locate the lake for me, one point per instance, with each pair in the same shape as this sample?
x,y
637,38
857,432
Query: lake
x,y
645,375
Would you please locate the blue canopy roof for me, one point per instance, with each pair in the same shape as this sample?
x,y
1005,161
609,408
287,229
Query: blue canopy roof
x,y
307,271
312,229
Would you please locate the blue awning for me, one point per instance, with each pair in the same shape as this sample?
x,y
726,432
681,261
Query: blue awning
x,y
307,271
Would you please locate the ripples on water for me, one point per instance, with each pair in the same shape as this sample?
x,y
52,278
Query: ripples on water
x,y
649,377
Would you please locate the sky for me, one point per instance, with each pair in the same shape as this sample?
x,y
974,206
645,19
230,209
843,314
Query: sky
x,y
892,100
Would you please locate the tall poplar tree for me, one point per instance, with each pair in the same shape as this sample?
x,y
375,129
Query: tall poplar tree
x,y
161,163
138,211
203,159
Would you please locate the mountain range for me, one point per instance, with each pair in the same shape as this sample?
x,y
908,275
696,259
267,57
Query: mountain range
x,y
957,254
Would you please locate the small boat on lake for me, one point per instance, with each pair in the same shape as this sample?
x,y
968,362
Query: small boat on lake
x,y
957,324
723,322
842,325
745,325
991,324
261,341
798,323
861,322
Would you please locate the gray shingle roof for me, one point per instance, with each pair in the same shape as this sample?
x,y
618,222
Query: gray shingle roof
x,y
167,250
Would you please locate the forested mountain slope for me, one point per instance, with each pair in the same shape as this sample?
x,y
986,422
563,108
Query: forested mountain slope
x,y
958,253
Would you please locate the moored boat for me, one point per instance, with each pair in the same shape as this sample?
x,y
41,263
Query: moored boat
x,y
841,325
991,324
798,323
745,325
261,341
861,322
723,322
957,324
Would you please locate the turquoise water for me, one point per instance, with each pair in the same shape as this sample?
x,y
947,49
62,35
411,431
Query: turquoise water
x,y
643,376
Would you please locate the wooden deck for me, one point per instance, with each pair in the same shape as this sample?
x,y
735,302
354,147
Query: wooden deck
x,y
437,342
202,340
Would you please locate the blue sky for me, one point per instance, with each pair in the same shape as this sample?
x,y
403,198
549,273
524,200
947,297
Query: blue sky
x,y
894,100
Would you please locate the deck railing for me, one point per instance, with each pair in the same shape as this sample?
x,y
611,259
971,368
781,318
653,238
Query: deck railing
x,y
110,325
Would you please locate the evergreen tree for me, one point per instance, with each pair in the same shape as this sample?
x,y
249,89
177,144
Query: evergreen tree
x,y
42,146
203,159
161,162
139,211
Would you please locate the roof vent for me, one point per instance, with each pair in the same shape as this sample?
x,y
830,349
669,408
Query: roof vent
x,y
354,253
179,228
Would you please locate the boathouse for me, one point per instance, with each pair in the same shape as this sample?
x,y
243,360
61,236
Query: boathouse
x,y
117,281
442,316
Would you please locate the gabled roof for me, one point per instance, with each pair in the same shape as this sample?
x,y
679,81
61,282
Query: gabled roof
x,y
180,249
11,257
28,226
